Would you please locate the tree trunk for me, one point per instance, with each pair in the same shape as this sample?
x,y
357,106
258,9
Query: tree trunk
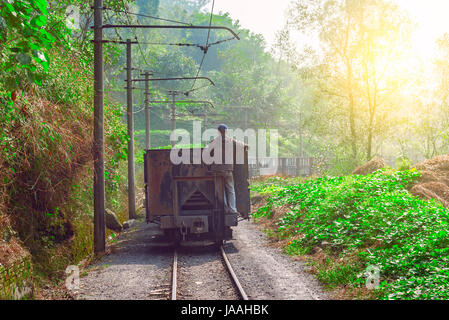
x,y
351,113
370,138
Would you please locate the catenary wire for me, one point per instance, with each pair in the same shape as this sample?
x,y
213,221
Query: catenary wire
x,y
207,43
135,36
147,16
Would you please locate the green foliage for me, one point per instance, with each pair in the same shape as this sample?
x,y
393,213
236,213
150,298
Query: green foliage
x,y
377,220
148,6
14,279
117,139
46,130
403,163
271,184
26,41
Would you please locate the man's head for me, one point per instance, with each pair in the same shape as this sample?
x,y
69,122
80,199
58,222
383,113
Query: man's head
x,y
222,128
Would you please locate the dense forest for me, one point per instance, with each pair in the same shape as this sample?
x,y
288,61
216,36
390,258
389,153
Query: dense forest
x,y
355,90
351,91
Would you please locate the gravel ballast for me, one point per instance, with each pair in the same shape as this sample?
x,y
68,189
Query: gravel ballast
x,y
139,268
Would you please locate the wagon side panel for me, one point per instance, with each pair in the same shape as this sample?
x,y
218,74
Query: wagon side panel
x,y
241,185
158,169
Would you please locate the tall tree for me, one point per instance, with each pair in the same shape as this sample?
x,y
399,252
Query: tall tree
x,y
359,42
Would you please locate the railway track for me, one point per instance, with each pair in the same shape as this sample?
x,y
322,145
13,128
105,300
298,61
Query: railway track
x,y
226,264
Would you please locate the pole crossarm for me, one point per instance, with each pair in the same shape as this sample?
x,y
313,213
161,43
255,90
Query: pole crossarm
x,y
110,26
174,79
116,41
185,101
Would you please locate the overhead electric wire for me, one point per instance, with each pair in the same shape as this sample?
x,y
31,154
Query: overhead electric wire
x,y
168,44
207,43
148,16
177,44
204,48
115,29
210,22
135,36
196,89
221,41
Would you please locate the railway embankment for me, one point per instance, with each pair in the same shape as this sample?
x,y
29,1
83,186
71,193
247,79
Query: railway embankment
x,y
46,179
364,236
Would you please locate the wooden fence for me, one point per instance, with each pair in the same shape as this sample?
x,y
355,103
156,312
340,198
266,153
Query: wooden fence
x,y
281,166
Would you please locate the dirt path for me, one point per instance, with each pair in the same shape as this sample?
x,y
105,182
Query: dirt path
x,y
265,272
139,268
136,269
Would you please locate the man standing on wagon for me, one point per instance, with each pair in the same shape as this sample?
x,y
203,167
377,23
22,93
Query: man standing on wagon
x,y
225,152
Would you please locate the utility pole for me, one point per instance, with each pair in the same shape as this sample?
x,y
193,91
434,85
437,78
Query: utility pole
x,y
246,118
300,161
205,117
131,165
98,143
147,112
173,115
301,155
174,93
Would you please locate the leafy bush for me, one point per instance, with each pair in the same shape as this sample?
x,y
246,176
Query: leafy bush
x,y
403,163
375,219
270,184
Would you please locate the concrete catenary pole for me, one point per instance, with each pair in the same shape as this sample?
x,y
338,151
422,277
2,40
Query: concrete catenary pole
x,y
300,160
131,165
173,116
246,118
147,112
98,143
205,117
301,153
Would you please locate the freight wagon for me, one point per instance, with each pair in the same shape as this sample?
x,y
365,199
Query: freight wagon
x,y
187,200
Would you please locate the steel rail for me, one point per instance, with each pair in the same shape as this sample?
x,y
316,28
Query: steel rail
x,y
229,268
174,276
233,275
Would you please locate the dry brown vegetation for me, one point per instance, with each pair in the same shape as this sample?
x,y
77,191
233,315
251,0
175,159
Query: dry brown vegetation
x,y
52,150
434,181
370,167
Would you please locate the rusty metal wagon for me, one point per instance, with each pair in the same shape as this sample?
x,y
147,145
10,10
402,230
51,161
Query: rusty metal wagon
x,y
187,200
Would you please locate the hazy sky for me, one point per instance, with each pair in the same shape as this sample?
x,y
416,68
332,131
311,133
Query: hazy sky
x,y
260,16
432,19
267,17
